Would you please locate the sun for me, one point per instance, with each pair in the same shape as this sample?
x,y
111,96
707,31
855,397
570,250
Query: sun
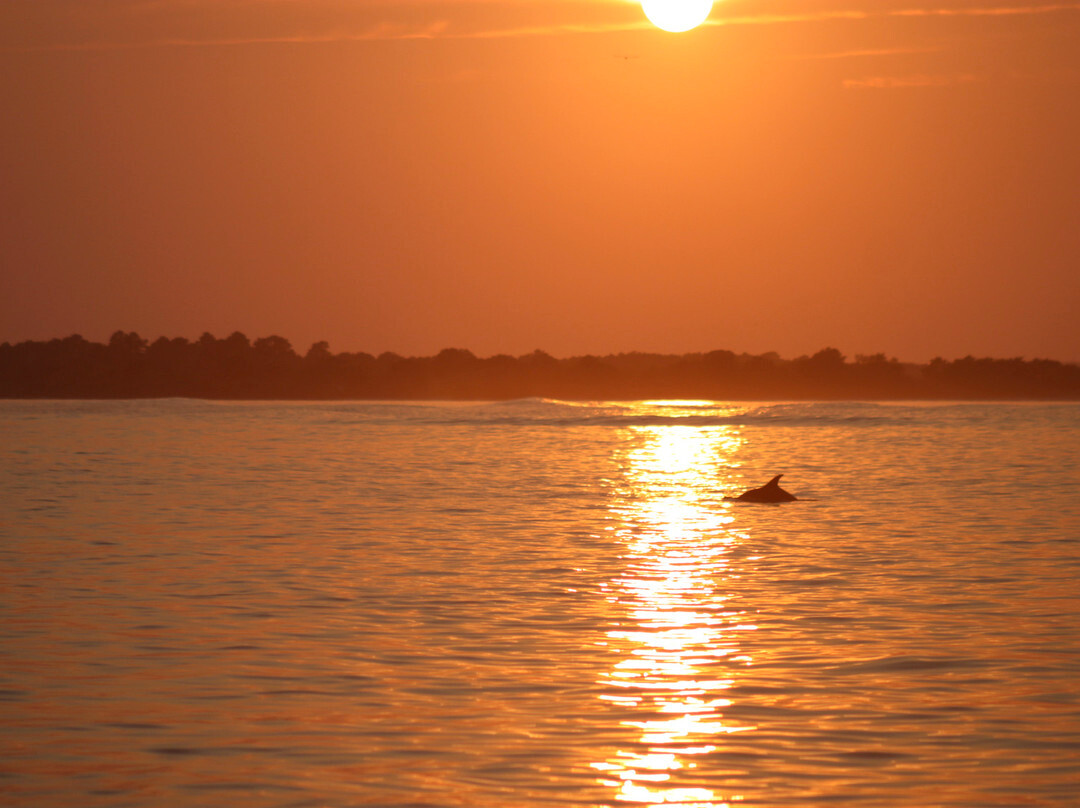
x,y
676,15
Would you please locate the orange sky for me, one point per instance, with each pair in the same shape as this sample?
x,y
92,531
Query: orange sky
x,y
504,175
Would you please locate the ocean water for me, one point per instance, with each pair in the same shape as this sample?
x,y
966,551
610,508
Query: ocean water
x,y
538,603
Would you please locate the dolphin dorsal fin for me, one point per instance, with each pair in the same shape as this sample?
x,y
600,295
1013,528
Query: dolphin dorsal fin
x,y
775,481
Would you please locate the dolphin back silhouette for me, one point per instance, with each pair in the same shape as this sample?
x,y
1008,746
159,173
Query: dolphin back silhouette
x,y
770,492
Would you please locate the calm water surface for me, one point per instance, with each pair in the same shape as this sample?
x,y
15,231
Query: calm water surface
x,y
536,603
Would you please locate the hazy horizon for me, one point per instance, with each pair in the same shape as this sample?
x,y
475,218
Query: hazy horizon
x,y
236,367
301,348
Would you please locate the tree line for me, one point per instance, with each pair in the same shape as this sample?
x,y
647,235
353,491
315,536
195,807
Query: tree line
x,y
235,367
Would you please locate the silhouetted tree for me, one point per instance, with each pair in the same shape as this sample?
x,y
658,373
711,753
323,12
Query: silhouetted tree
x,y
318,352
234,367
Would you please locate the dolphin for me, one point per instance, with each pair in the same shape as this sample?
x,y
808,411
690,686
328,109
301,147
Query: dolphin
x,y
770,492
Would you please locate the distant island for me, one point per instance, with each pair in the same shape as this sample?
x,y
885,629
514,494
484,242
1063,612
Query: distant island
x,y
268,368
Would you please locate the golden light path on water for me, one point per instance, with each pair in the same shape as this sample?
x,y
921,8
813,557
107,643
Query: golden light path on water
x,y
679,645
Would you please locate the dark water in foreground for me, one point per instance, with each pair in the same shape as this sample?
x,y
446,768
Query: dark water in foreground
x,y
535,603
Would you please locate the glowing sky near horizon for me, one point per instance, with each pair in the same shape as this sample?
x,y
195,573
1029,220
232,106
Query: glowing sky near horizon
x,y
499,176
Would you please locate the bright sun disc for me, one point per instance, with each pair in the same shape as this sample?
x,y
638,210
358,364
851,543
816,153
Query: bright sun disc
x,y
676,15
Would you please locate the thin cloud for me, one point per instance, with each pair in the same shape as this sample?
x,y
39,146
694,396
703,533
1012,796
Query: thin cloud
x,y
903,82
552,30
442,29
777,19
384,32
983,12
826,16
379,33
868,53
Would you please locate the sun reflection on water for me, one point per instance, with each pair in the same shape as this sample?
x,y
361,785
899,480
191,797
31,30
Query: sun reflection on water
x,y
679,641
